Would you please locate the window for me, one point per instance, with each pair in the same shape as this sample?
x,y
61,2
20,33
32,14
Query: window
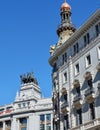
x,y
48,122
8,125
19,105
1,125
23,124
79,116
42,118
45,122
88,60
76,69
64,58
42,122
97,28
92,111
64,77
78,90
66,122
76,48
65,97
90,83
99,52
86,39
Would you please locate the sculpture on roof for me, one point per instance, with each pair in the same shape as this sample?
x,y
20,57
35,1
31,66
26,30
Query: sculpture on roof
x,y
29,78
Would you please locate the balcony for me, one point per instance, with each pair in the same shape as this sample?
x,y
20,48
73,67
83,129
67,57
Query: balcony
x,y
88,75
89,95
64,107
76,83
77,102
98,67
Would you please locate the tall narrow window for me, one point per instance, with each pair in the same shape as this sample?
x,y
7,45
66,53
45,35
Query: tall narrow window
x,y
97,29
8,125
65,97
1,126
90,83
66,122
88,60
76,69
78,90
92,111
42,122
79,116
48,122
86,39
76,48
99,52
65,77
64,58
23,124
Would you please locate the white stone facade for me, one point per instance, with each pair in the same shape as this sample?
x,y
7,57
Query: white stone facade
x,y
76,78
26,111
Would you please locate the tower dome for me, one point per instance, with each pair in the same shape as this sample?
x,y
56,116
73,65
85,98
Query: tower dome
x,y
65,6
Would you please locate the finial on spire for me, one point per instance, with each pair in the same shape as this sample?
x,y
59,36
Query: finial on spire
x,y
64,0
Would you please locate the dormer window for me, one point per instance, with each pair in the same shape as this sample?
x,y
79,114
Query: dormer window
x,y
76,48
97,28
64,58
86,39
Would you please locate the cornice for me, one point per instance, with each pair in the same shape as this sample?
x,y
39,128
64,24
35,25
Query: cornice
x,y
92,20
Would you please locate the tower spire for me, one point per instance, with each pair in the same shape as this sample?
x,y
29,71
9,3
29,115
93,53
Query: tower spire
x,y
66,28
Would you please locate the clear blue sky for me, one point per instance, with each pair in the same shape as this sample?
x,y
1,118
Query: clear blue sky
x,y
27,29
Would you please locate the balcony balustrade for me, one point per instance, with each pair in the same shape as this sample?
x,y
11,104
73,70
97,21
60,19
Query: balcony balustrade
x,y
77,102
90,94
64,107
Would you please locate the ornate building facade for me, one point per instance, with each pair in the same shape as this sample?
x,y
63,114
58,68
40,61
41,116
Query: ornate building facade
x,y
75,60
29,111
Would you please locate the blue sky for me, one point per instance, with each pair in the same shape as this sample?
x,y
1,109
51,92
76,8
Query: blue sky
x,y
27,29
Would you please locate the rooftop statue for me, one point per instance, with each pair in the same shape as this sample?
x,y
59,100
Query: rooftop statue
x,y
29,78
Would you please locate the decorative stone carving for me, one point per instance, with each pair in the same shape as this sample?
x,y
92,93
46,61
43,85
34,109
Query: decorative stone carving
x,y
76,83
28,78
88,75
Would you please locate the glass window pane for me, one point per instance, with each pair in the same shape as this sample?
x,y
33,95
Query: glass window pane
x,y
48,117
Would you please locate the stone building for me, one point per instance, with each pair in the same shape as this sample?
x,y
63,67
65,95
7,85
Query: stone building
x,y
75,62
29,111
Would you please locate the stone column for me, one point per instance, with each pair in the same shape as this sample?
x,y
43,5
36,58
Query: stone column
x,y
13,124
18,125
4,125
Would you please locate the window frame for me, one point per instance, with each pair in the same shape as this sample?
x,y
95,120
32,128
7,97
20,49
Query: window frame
x,y
88,60
76,70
